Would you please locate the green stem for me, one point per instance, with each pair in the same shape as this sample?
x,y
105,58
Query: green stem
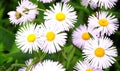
x,y
42,56
32,63
38,9
36,59
14,65
41,9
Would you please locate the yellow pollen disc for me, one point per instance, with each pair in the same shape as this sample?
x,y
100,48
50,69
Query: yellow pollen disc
x,y
99,52
31,37
89,69
60,16
103,22
50,36
86,36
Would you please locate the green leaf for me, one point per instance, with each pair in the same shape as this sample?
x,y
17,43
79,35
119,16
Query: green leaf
x,y
7,38
1,13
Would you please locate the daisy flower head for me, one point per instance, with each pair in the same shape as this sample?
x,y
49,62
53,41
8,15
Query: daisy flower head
x,y
81,35
61,14
107,3
28,9
27,38
52,38
49,65
85,66
16,17
104,23
99,3
45,1
28,62
100,52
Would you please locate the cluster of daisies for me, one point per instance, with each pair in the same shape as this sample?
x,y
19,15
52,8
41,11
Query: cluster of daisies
x,y
98,50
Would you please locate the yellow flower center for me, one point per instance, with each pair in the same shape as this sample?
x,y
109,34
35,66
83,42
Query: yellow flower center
x,y
86,36
18,15
50,36
99,52
31,37
60,16
103,22
89,69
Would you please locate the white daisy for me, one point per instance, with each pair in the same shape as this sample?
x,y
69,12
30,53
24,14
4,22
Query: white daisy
x,y
15,17
63,15
28,62
104,23
85,66
27,38
100,52
45,1
99,3
28,9
81,35
107,3
49,65
52,38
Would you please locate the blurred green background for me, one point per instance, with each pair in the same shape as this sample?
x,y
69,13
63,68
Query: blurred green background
x,y
11,58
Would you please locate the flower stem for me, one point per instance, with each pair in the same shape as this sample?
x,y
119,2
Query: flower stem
x,y
42,56
14,65
41,9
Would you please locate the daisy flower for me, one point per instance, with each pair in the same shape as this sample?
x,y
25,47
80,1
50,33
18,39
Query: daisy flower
x,y
28,9
27,38
52,38
65,1
28,62
15,17
106,3
85,66
104,23
61,14
45,1
99,3
100,52
81,35
49,65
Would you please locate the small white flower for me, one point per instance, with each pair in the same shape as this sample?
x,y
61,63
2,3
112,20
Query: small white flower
x,y
49,65
81,35
15,17
63,15
107,3
99,3
100,52
52,38
28,9
28,62
27,38
103,23
85,66
45,1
